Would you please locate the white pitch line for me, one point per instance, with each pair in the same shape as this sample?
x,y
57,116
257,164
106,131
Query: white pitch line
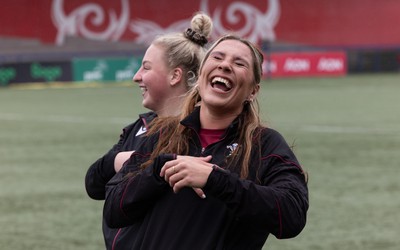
x,y
329,129
64,119
348,130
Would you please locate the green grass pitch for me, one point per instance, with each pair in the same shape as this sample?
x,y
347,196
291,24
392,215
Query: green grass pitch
x,y
345,132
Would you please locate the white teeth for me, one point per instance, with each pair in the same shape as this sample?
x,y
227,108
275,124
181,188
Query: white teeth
x,y
221,80
143,89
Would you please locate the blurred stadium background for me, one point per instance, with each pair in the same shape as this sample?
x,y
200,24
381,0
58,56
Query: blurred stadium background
x,y
81,40
331,86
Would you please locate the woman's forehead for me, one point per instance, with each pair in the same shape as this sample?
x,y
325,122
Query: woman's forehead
x,y
233,47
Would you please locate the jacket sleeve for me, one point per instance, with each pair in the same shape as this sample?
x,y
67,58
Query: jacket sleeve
x,y
130,197
277,202
102,170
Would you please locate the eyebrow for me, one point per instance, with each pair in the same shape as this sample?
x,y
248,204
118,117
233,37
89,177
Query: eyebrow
x,y
146,62
235,58
217,52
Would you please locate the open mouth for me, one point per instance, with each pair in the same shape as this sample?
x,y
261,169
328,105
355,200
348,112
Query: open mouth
x,y
143,89
221,83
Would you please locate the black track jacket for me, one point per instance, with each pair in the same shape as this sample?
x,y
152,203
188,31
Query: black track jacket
x,y
102,170
237,213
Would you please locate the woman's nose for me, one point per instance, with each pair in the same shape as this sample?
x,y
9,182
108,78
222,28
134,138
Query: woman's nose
x,y
225,65
136,77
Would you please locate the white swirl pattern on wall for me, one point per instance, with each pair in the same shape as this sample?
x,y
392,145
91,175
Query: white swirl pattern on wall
x,y
75,23
257,25
147,30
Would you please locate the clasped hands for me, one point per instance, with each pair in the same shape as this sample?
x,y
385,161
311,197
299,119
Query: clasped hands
x,y
187,171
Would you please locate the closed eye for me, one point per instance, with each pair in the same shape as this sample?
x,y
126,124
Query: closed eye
x,y
217,55
146,66
217,58
241,63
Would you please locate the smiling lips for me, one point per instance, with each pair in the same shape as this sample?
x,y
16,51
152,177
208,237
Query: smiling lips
x,y
143,88
221,83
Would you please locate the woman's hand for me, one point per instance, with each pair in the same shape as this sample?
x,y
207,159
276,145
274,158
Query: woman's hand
x,y
120,159
187,171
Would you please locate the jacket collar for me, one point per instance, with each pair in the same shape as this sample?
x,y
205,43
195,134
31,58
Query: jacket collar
x,y
147,118
193,121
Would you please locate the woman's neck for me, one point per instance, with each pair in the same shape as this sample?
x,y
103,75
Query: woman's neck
x,y
172,107
210,119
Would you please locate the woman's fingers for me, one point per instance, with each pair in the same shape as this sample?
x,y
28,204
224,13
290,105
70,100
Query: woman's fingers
x,y
187,171
199,192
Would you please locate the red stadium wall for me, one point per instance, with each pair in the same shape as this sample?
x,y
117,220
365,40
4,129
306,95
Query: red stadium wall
x,y
340,22
311,22
339,37
297,64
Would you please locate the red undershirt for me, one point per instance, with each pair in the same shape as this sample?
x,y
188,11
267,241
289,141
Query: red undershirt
x,y
209,136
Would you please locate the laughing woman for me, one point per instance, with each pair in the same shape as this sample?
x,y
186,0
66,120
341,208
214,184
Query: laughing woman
x,y
252,181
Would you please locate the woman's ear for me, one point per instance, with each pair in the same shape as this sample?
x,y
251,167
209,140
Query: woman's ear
x,y
253,93
176,76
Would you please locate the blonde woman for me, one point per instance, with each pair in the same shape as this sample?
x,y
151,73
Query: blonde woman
x,y
169,69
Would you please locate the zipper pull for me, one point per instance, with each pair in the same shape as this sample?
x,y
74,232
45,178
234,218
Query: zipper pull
x,y
202,150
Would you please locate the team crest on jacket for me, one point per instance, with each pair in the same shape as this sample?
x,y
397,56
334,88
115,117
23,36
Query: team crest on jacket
x,y
141,131
232,148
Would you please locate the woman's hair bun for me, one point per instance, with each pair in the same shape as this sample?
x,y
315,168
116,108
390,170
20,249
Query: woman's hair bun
x,y
195,37
201,27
